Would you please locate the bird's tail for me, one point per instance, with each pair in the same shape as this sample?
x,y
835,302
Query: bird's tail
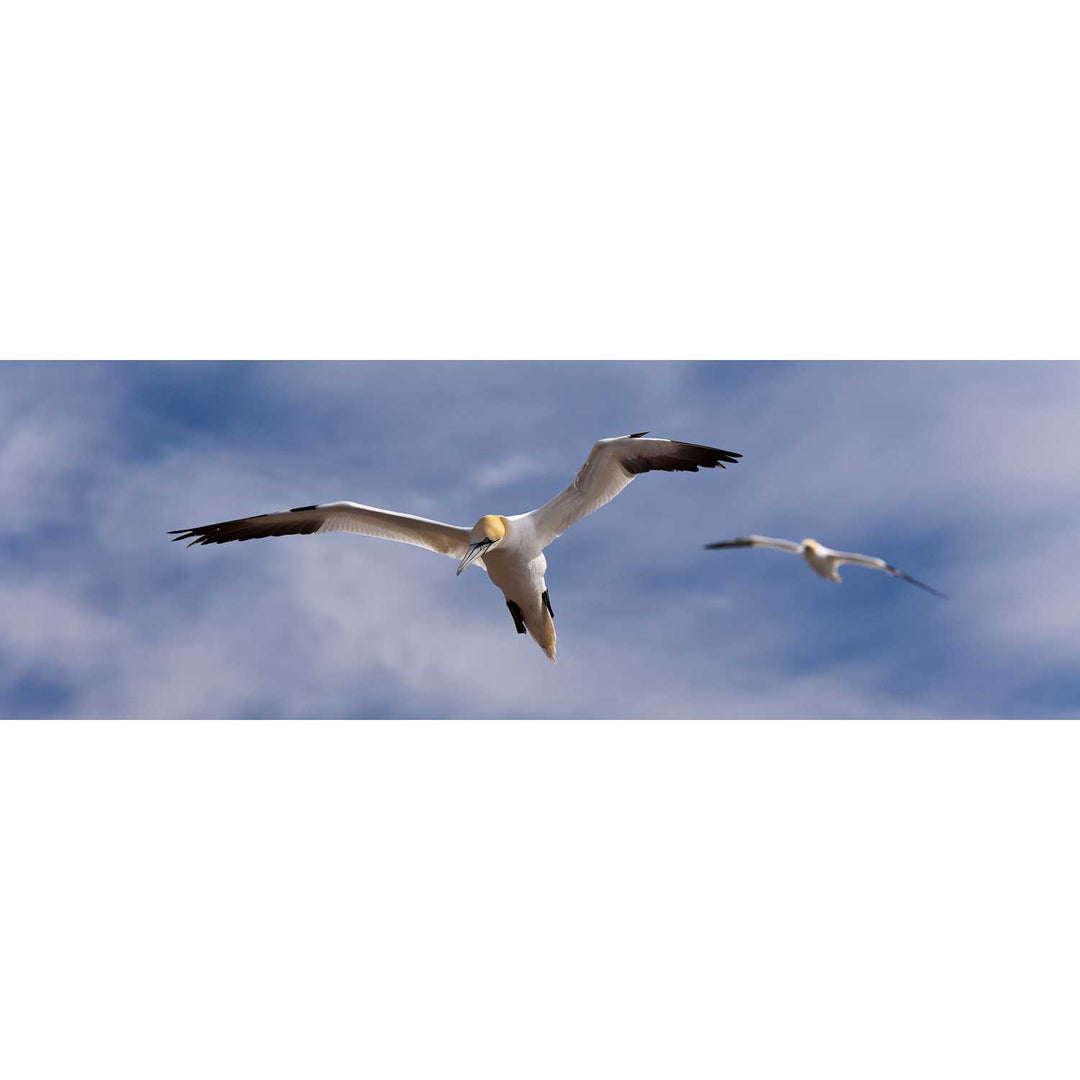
x,y
542,629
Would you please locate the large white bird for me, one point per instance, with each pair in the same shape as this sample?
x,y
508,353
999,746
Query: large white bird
x,y
509,548
822,560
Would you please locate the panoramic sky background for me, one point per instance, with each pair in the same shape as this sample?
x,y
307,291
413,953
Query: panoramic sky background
x,y
962,474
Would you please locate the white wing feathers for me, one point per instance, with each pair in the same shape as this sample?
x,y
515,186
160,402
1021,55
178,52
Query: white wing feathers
x,y
880,564
336,517
858,560
611,465
757,541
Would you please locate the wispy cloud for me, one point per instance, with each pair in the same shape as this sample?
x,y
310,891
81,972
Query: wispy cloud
x,y
509,470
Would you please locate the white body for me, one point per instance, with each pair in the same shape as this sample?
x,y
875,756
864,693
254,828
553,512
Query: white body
x,y
517,566
823,562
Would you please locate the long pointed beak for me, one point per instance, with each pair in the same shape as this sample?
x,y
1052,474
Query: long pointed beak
x,y
474,553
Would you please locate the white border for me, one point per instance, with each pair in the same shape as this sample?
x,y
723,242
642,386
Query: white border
x,y
586,180
539,899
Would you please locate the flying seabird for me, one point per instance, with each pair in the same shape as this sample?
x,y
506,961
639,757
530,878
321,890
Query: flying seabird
x,y
509,548
822,560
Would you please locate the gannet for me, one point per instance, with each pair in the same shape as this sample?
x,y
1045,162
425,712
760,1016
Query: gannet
x,y
509,547
822,560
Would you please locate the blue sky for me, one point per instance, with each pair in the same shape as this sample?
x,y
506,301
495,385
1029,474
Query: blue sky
x,y
963,474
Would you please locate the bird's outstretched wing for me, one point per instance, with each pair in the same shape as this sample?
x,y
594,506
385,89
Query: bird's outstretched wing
x,y
880,564
757,541
336,517
611,465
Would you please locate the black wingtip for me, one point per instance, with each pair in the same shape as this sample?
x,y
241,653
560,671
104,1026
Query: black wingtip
x,y
927,588
915,581
638,435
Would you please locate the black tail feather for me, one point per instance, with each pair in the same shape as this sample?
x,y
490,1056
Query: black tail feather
x,y
515,611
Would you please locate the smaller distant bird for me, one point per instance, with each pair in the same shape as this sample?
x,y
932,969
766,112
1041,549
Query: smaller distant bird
x,y
822,560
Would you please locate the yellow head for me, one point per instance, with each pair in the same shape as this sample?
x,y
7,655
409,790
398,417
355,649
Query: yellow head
x,y
484,535
811,546
490,527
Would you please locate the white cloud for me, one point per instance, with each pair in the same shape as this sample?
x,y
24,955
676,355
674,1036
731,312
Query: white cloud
x,y
44,443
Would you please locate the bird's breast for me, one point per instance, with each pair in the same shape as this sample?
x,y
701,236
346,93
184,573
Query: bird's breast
x,y
516,572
